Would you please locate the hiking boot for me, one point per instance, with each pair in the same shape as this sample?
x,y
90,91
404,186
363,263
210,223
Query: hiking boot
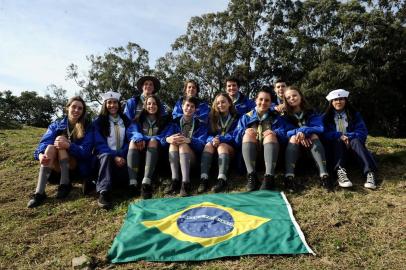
x,y
63,191
134,190
146,191
220,186
104,200
289,183
342,178
37,199
267,182
204,185
371,181
185,189
325,182
173,187
252,182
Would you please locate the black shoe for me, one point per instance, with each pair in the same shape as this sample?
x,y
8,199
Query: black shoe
x,y
37,199
134,190
204,185
325,182
252,181
185,189
104,200
173,187
63,191
220,186
289,184
267,182
87,186
146,191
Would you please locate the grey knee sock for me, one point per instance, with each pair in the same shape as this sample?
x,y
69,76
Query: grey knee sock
x,y
185,166
64,163
271,151
319,156
174,162
44,173
133,163
150,163
224,160
291,156
205,165
249,153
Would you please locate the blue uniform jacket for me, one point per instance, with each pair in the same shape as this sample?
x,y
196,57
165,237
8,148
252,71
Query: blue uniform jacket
x,y
134,133
278,125
356,129
202,112
131,106
101,145
244,104
228,137
80,149
199,134
314,124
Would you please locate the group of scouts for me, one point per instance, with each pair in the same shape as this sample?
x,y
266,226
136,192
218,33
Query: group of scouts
x,y
124,142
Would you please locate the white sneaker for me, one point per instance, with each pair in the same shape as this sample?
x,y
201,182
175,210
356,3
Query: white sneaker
x,y
370,183
342,178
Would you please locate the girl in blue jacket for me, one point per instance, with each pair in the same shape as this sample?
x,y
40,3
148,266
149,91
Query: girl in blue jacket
x,y
186,136
191,89
111,146
145,134
345,131
223,120
64,149
257,129
307,126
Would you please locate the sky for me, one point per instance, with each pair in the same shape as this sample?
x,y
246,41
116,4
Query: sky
x,y
40,38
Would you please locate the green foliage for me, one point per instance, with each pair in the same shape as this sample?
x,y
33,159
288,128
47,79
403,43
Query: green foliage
x,y
117,70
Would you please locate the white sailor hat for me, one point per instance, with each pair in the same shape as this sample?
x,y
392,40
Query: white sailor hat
x,y
338,93
110,95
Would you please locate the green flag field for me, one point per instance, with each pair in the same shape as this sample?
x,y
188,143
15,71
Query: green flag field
x,y
208,227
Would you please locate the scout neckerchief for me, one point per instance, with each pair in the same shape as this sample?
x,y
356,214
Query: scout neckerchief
x,y
341,121
140,106
279,100
235,100
151,125
187,127
224,124
116,124
259,127
300,118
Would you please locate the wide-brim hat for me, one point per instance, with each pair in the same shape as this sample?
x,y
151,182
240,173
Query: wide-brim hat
x,y
155,81
338,93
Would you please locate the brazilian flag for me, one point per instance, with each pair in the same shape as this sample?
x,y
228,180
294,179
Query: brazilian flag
x,y
207,227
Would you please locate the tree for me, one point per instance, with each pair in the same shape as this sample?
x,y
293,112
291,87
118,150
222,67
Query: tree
x,y
34,110
117,70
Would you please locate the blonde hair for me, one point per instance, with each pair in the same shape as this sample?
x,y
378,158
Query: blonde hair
x,y
79,129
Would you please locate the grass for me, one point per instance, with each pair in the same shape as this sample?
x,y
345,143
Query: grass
x,y
354,229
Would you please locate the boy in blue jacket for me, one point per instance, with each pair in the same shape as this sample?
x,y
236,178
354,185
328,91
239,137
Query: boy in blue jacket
x,y
241,102
345,130
186,137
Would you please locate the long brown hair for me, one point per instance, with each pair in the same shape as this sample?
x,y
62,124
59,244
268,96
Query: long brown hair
x,y
144,112
79,129
105,121
214,114
304,105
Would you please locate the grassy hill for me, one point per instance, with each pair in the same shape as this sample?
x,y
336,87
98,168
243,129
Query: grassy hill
x,y
347,229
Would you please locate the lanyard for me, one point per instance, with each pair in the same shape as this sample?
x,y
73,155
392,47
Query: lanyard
x,y
224,125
